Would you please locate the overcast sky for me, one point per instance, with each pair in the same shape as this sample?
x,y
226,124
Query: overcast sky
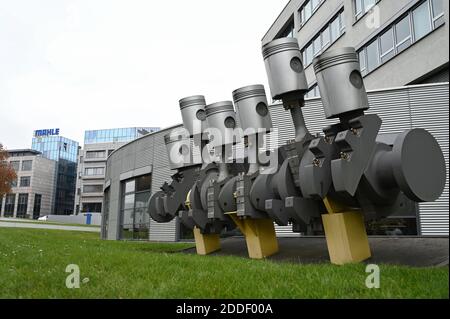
x,y
93,64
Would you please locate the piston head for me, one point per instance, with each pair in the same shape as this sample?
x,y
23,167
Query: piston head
x,y
193,114
284,68
252,109
222,122
178,148
340,82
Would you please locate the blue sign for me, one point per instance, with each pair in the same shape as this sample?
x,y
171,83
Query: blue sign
x,y
47,132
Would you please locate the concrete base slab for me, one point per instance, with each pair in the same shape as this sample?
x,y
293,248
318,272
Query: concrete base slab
x,y
410,251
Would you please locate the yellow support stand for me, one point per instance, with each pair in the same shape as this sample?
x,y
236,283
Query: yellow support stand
x,y
259,235
345,233
206,243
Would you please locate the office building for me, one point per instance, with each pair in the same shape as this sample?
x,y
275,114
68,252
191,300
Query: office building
x,y
64,151
98,144
32,194
399,42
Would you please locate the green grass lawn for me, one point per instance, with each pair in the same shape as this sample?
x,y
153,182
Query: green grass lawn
x,y
33,263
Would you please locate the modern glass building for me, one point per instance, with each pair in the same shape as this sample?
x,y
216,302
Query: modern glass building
x,y
65,152
116,135
98,144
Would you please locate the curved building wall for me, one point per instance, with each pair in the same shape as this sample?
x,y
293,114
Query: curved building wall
x,y
141,157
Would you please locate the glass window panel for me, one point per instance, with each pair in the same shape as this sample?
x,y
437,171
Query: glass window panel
x,y
362,59
335,30
372,56
309,54
142,199
403,30
326,37
387,45
130,186
438,7
358,7
308,10
26,165
143,183
368,4
421,21
317,44
302,15
128,202
315,4
25,181
93,188
341,23
15,165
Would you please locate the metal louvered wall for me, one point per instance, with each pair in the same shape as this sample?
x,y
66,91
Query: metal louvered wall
x,y
418,106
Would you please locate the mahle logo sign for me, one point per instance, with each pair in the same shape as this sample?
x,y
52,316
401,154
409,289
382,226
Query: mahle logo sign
x,y
46,132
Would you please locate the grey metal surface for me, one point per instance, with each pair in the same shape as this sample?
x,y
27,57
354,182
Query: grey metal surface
x,y
193,113
284,67
252,109
340,82
221,121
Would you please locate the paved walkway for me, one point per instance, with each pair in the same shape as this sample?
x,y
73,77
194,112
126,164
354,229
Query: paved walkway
x,y
411,251
47,226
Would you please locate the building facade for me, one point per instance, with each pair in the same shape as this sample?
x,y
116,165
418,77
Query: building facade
x,y
399,42
137,169
65,152
32,194
98,144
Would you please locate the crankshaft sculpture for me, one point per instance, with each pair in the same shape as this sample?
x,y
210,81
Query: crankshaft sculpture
x,y
334,180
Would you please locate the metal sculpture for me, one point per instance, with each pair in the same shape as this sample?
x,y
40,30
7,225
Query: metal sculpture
x,y
335,179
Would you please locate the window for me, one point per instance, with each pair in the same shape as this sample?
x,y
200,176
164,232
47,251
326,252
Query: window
x,y
362,7
313,92
10,202
437,7
362,61
93,189
335,27
309,54
37,206
308,9
15,165
288,32
27,165
25,181
94,171
96,154
14,183
421,21
326,37
372,56
143,183
403,34
130,186
134,200
92,207
387,45
317,46
22,205
394,39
